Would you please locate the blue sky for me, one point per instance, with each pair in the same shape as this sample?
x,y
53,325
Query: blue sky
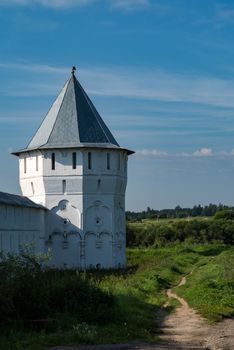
x,y
161,74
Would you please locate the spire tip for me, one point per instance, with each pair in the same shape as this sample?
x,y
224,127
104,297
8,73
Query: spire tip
x,y
73,70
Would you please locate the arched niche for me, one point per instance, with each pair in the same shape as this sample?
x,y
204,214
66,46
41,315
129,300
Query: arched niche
x,y
119,248
120,218
69,212
98,218
65,249
98,250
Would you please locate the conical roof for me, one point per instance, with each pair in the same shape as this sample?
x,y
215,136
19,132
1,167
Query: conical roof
x,y
72,122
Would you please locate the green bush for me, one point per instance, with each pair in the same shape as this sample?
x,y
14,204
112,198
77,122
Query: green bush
x,y
161,233
29,292
224,214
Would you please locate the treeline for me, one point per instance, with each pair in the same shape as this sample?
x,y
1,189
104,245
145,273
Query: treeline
x,y
177,212
215,230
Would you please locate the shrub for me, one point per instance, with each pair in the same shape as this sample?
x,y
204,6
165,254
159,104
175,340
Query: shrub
x,y
29,292
84,332
194,231
224,214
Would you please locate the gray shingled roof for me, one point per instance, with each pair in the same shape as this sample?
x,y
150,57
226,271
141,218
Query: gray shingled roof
x,y
72,122
19,201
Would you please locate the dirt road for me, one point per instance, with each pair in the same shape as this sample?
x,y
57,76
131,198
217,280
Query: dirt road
x,y
187,329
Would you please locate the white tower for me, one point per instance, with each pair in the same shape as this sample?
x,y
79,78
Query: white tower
x,y
74,167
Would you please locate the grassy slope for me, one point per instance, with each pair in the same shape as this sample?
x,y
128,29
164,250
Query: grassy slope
x,y
140,290
210,287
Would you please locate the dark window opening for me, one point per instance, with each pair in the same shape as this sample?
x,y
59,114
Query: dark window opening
x,y
125,162
119,161
53,161
25,164
32,186
89,160
36,162
64,186
108,161
74,160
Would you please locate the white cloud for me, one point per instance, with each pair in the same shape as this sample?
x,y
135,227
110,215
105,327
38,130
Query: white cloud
x,y
130,4
20,117
203,152
224,13
63,3
47,3
14,2
34,68
14,120
118,4
225,153
156,84
124,5
125,82
152,152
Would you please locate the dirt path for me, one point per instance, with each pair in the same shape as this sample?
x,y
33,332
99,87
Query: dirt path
x,y
182,330
189,330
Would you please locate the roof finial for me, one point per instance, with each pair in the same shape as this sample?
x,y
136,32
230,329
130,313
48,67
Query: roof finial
x,y
73,70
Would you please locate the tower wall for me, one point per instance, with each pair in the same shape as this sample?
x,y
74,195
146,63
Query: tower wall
x,y
86,224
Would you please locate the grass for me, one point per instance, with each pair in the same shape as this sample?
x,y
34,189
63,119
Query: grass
x,y
167,220
139,291
210,287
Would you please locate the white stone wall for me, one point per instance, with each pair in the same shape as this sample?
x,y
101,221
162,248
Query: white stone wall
x,y
104,214
21,227
89,201
31,169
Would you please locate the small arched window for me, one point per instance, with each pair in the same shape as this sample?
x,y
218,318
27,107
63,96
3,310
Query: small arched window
x,y
53,161
125,161
32,187
36,162
73,160
25,165
64,185
89,160
119,161
108,161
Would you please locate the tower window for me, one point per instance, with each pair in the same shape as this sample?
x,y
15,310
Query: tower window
x,y
25,165
36,162
64,184
108,161
53,161
89,160
73,160
119,160
32,186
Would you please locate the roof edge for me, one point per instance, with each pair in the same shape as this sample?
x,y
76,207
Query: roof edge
x,y
81,146
17,200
